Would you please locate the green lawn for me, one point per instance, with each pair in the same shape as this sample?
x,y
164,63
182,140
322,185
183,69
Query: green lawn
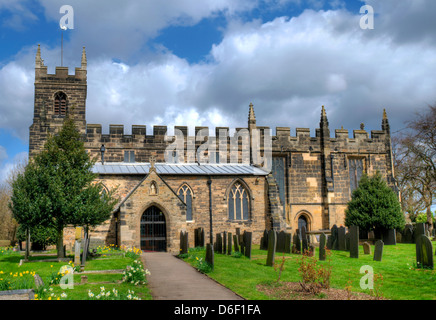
x,y
13,276
401,280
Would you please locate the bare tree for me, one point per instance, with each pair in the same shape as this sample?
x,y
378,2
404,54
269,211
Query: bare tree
x,y
415,160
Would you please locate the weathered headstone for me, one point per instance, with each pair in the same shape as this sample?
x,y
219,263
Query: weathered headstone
x,y
424,252
322,246
236,242
354,241
199,237
224,242
280,246
242,244
229,243
304,243
183,242
398,237
334,235
311,250
209,255
389,237
272,241
347,241
38,281
341,238
297,242
408,234
219,243
248,239
366,248
77,248
264,241
329,242
287,242
419,230
378,250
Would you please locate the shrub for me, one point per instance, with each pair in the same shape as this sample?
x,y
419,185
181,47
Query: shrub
x,y
314,277
135,274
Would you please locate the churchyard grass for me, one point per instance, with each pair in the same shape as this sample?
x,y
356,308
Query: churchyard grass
x,y
401,279
13,276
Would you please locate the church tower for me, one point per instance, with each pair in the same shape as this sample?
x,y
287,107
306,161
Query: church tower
x,y
56,96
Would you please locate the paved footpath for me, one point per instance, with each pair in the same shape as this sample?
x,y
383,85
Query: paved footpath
x,y
173,279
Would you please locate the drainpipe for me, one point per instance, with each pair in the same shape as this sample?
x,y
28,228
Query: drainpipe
x,y
209,183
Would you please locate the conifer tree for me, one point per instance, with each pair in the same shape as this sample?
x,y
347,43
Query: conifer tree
x,y
374,206
58,188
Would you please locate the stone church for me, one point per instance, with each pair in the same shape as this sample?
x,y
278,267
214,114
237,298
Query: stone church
x,y
308,180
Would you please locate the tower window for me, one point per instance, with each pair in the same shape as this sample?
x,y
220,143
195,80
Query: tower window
x,y
60,104
129,156
356,170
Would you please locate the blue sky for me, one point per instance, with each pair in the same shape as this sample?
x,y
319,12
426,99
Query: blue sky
x,y
186,62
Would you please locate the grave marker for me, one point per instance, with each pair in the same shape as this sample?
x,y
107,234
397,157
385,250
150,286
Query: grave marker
x,y
322,246
366,248
354,241
272,241
378,250
229,243
341,238
424,252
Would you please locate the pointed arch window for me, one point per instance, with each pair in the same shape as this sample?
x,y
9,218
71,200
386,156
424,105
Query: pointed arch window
x,y
60,104
186,195
238,202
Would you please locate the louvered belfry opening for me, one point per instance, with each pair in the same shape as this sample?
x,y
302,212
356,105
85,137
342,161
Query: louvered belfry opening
x,y
60,104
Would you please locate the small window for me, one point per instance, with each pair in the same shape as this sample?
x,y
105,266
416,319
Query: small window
x,y
238,202
129,156
60,104
185,194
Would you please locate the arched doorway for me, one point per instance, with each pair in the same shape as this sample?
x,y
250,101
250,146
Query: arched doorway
x,y
153,230
302,221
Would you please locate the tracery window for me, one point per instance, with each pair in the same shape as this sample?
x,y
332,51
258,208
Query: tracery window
x,y
238,202
356,170
60,104
185,194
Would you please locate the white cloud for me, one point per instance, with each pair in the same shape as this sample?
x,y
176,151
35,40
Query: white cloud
x,y
7,167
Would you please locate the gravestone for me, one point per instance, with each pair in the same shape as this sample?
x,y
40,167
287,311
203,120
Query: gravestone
x,y
209,255
77,245
378,250
408,234
334,235
366,248
272,242
236,242
311,251
347,241
297,242
322,246
398,237
229,243
183,242
354,241
304,243
341,238
389,237
424,252
199,237
248,238
224,242
280,246
329,242
287,242
219,243
38,281
242,244
264,241
419,230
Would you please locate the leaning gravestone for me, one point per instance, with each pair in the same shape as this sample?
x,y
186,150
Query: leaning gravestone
x,y
354,241
366,248
341,238
424,252
378,250
322,246
272,241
